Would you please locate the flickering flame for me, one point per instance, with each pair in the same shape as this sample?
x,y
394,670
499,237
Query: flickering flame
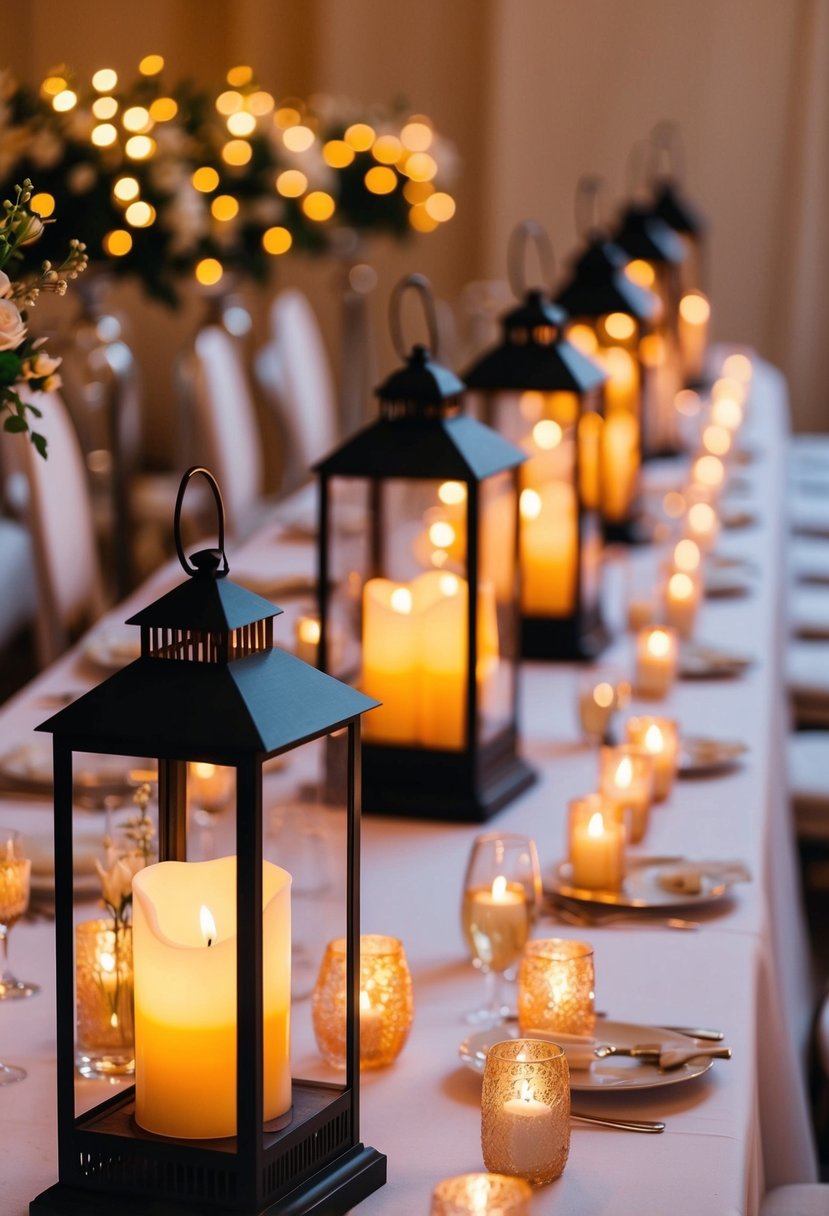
x,y
603,695
441,534
547,434
653,739
527,1094
595,825
499,888
659,643
694,308
530,504
207,925
106,961
449,585
687,555
624,773
401,600
681,586
365,1003
620,326
309,630
451,493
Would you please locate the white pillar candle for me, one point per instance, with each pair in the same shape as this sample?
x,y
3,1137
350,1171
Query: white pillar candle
x,y
549,550
184,942
657,656
440,692
528,1127
683,592
660,737
597,843
390,661
694,315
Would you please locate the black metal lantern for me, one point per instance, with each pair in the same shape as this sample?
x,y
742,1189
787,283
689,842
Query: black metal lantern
x,y
539,390
208,686
671,206
418,592
610,319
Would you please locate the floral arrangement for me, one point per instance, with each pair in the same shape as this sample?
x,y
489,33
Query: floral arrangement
x,y
125,859
22,358
169,183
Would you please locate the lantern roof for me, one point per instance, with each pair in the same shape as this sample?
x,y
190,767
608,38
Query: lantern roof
x,y
183,710
598,285
642,234
206,603
533,354
676,211
421,385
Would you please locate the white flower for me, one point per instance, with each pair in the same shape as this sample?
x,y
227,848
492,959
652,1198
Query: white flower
x,y
116,880
5,286
32,228
12,329
41,365
52,383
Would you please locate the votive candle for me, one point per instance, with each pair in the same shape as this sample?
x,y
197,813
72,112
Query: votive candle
x,y
556,982
657,657
481,1195
660,737
525,1110
596,843
626,778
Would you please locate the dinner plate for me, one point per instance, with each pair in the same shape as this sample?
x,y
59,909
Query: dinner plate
x,y
737,517
112,649
641,887
611,1073
700,755
698,661
727,582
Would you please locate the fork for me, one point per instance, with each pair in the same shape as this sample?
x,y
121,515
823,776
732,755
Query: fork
x,y
582,917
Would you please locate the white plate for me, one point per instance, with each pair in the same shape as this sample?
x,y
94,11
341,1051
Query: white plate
x,y
698,661
727,582
699,755
737,517
641,888
113,649
611,1073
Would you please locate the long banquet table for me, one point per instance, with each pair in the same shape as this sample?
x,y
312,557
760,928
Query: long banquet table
x,y
740,1128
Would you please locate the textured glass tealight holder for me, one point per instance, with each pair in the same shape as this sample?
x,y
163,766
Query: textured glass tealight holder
x,y
626,777
105,1034
660,737
386,1004
525,1110
481,1195
556,983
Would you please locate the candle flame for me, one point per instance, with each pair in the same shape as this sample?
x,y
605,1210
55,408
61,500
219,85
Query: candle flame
x,y
547,434
441,534
681,586
365,1003
401,600
106,962
452,493
624,773
207,924
309,630
113,1021
526,1094
708,471
604,695
620,326
205,771
529,504
595,825
702,517
659,643
449,585
687,555
499,887
694,308
653,738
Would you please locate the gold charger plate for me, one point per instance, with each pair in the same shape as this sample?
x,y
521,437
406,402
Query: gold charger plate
x,y
641,888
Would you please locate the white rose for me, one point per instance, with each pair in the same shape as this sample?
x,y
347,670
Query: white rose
x,y
5,285
12,329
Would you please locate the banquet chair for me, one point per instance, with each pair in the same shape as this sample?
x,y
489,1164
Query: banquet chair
x,y
797,1199
54,499
807,680
808,760
294,373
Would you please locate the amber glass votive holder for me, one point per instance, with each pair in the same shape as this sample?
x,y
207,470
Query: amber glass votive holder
x,y
386,1004
525,1110
481,1195
556,982
660,737
105,1030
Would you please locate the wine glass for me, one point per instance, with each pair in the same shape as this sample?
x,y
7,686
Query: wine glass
x,y
15,870
501,899
9,1073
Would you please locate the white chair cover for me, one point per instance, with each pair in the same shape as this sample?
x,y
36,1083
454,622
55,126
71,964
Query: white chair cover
x,y
809,784
800,1199
807,678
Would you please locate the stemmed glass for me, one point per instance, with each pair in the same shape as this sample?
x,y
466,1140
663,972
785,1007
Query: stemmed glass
x,y
9,1073
501,899
15,870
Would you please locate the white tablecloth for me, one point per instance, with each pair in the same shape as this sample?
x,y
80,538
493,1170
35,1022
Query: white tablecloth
x,y
742,1126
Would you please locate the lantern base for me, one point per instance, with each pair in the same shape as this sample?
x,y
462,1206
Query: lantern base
x,y
624,532
568,639
345,1183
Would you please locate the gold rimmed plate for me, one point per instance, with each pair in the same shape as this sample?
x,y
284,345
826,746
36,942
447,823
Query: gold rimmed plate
x,y
701,756
699,661
645,887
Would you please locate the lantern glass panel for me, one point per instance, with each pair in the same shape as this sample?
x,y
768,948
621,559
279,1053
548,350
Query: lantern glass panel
x,y
498,616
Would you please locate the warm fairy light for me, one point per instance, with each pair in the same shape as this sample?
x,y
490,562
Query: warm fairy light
x,y
738,367
659,643
139,147
241,123
727,412
401,600
673,504
286,116
440,206
694,308
140,214
53,85
417,192
117,243
529,504
104,80
65,100
421,220
687,555
681,586
43,204
359,136
277,240
207,925
531,405
239,76
387,149
298,138
420,167
136,119
688,402
708,471
416,135
151,65
291,183
224,207
604,695
702,517
163,109
380,180
260,103
104,107
595,825
229,102
104,135
641,273
620,326
583,337
441,534
716,439
208,272
337,153
125,190
450,585
205,179
547,434
237,152
451,493
318,205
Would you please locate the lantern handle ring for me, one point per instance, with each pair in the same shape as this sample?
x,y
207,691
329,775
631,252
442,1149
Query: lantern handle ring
x,y
590,205
668,151
420,284
207,561
520,237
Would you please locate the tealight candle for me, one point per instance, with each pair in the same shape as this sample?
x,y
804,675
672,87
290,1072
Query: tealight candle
x,y
184,939
597,843
657,656
626,778
683,593
481,1195
660,737
556,987
525,1110
702,524
103,992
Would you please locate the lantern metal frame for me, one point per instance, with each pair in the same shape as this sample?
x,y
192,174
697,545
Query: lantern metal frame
x,y
210,686
535,355
422,434
597,287
671,205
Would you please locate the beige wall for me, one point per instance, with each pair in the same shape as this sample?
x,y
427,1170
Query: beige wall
x,y
533,93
